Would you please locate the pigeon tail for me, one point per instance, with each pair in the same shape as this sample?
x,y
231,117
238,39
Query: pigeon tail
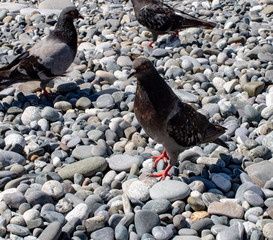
x,y
183,20
213,132
220,142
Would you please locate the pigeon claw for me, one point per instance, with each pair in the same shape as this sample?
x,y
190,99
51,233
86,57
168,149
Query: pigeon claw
x,y
150,44
47,94
162,174
163,156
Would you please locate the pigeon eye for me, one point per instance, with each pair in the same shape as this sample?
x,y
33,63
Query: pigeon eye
x,y
72,13
143,66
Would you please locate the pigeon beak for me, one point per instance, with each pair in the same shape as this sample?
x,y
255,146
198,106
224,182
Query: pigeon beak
x,y
132,73
80,16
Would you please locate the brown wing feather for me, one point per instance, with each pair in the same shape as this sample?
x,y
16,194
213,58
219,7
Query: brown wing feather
x,y
189,127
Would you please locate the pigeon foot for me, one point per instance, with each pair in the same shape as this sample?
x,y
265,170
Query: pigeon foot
x,y
163,156
150,44
163,174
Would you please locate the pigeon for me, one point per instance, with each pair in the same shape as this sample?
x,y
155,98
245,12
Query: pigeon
x,y
160,18
167,120
48,58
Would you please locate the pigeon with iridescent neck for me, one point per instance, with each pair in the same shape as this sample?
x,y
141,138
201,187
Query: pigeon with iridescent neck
x,y
48,58
170,122
160,18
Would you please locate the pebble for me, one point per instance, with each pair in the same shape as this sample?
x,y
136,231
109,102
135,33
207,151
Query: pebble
x,y
170,189
145,221
228,208
87,167
52,231
121,163
77,166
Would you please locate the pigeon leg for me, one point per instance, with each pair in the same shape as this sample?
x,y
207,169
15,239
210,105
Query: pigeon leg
x,y
47,94
163,156
175,35
150,44
163,174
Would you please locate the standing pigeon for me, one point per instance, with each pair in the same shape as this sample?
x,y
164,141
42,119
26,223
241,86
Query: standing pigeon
x,y
160,18
174,124
49,57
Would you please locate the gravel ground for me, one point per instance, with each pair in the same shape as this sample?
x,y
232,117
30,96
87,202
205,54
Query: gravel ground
x,y
77,167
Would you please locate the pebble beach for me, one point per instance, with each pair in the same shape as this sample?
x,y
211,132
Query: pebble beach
x,y
77,166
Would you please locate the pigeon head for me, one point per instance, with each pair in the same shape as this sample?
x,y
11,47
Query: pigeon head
x,y
142,67
70,13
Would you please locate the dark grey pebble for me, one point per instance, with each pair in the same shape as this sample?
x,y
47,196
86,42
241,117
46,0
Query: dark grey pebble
x,y
38,197
248,186
114,220
67,87
202,224
18,230
158,205
51,232
14,200
121,232
8,158
145,220
52,216
105,233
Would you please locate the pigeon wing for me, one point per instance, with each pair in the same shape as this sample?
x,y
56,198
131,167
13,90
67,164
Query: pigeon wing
x,y
15,61
156,16
189,127
55,56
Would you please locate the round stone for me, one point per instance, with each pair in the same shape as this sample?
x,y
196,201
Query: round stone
x,y
123,162
54,189
30,114
50,114
158,205
170,189
145,221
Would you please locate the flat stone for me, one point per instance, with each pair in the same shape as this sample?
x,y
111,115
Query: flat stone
x,y
87,167
14,200
246,187
260,172
169,189
253,198
106,76
202,224
158,205
18,230
82,152
83,103
123,162
228,208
